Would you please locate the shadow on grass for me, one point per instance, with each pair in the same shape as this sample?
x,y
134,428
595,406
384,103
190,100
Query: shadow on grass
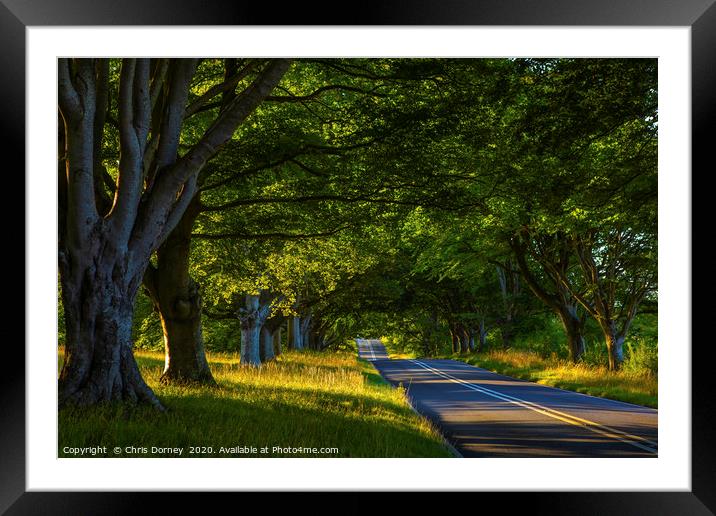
x,y
244,414
371,375
293,363
207,421
350,404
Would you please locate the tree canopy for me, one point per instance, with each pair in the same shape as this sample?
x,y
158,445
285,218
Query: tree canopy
x,y
444,202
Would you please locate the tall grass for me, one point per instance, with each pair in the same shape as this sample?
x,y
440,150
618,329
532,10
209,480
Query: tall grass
x,y
633,384
301,400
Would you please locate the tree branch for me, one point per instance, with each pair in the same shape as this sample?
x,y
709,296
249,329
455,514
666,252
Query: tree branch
x,y
160,206
68,97
217,89
81,204
104,201
158,79
237,111
180,74
300,98
177,211
247,172
134,126
268,236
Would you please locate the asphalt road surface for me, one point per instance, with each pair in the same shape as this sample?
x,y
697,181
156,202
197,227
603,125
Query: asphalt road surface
x,y
484,414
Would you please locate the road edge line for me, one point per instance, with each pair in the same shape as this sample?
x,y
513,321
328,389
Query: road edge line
x,y
409,400
575,421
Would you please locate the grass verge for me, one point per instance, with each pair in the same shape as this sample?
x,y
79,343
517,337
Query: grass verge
x,y
637,388
305,401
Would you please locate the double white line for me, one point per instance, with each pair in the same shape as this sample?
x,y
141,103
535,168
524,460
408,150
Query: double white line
x,y
606,431
372,353
370,347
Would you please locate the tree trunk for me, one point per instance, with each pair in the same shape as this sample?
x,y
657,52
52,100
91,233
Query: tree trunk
x,y
482,337
99,365
455,342
471,339
252,319
615,345
250,354
463,339
270,333
296,336
306,332
267,352
277,347
289,333
177,299
509,289
427,344
103,256
573,329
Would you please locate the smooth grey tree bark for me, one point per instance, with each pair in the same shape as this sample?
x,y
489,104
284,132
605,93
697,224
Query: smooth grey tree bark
x,y
306,331
296,335
267,353
271,338
103,256
481,336
252,318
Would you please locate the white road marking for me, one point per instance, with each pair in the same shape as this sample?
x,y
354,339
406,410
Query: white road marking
x,y
372,352
561,416
362,343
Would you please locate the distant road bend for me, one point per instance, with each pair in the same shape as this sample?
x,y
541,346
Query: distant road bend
x,y
484,414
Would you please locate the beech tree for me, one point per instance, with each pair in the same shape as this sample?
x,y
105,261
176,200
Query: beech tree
x,y
433,194
554,257
310,150
105,246
316,116
618,267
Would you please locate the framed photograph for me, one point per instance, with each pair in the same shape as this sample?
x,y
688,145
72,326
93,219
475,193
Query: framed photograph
x,y
624,470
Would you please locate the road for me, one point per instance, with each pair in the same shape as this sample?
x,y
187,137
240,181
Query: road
x,y
484,414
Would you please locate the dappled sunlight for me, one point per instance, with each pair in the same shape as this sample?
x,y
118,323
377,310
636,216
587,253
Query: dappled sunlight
x,y
300,399
298,245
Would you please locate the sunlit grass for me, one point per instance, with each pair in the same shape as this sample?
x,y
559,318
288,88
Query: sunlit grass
x,y
632,387
307,399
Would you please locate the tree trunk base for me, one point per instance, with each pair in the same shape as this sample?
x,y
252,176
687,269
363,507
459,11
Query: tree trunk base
x,y
123,384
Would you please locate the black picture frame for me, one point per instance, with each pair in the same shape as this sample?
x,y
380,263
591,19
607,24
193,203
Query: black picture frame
x,y
700,15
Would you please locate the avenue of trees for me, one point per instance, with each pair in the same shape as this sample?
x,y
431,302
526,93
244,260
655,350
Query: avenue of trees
x,y
258,205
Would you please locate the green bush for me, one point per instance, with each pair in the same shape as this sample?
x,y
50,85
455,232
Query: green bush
x,y
595,352
546,338
223,336
147,328
641,355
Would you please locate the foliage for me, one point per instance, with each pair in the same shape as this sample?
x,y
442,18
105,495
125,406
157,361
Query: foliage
x,y
416,199
146,328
